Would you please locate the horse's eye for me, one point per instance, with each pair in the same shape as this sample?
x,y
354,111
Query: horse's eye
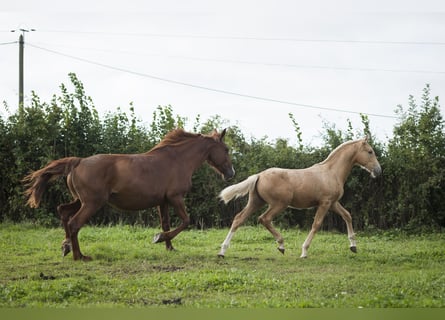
x,y
370,151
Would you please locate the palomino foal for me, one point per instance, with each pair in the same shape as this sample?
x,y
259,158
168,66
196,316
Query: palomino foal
x,y
318,186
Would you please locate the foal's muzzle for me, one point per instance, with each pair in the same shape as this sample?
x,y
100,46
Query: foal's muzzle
x,y
376,171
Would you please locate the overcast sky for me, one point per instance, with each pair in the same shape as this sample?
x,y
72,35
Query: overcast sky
x,y
251,62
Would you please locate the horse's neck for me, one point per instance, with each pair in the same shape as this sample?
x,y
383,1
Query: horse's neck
x,y
193,154
341,163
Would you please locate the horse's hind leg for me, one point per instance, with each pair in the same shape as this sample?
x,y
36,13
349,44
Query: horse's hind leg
x,y
266,219
254,204
66,211
76,222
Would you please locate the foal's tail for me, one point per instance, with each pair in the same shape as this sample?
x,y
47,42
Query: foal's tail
x,y
240,189
37,181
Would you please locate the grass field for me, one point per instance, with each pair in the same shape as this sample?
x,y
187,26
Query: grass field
x,y
389,270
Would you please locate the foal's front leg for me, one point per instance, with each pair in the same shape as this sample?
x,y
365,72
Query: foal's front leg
x,y
318,220
340,210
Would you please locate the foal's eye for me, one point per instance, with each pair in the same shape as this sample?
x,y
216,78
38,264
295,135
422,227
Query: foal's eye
x,y
370,151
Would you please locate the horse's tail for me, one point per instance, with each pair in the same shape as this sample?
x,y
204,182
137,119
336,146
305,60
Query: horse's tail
x,y
240,189
37,181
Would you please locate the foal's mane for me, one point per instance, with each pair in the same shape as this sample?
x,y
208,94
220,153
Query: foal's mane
x,y
176,138
337,150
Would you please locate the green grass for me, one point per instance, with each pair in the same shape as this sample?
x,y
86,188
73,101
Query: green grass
x,y
389,270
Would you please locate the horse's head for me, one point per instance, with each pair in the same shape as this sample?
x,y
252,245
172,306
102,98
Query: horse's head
x,y
366,158
218,156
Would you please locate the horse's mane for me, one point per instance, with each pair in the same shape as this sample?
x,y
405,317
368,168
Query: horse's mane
x,y
336,150
175,137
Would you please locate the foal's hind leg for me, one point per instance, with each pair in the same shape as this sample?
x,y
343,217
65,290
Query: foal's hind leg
x,y
254,204
66,211
266,219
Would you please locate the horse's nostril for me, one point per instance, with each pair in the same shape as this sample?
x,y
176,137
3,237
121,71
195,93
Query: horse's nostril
x,y
229,174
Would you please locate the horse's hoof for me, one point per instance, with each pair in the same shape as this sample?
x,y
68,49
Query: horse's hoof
x,y
281,250
86,258
159,238
81,257
221,256
66,248
353,249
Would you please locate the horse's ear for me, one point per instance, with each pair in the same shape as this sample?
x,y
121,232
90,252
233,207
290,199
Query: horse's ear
x,y
223,133
366,138
214,134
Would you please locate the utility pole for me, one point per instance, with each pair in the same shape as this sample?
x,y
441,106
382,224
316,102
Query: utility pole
x,y
21,52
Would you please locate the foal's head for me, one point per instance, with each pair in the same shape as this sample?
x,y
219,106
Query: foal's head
x,y
366,158
218,156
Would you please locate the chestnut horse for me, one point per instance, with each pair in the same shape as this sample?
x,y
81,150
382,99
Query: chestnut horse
x,y
318,186
160,177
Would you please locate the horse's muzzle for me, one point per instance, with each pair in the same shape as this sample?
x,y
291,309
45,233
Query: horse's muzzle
x,y
229,174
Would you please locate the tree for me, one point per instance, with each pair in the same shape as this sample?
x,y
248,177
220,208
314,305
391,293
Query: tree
x,y
7,163
81,128
410,195
416,172
163,122
32,146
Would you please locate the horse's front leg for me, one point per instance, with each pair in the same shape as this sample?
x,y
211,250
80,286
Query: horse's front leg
x,y
340,210
179,207
164,218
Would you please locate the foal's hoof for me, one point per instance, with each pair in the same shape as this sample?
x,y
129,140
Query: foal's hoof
x,y
159,238
281,250
353,249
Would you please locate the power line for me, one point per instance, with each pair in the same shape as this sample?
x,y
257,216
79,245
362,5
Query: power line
x,y
6,43
310,106
268,64
223,37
